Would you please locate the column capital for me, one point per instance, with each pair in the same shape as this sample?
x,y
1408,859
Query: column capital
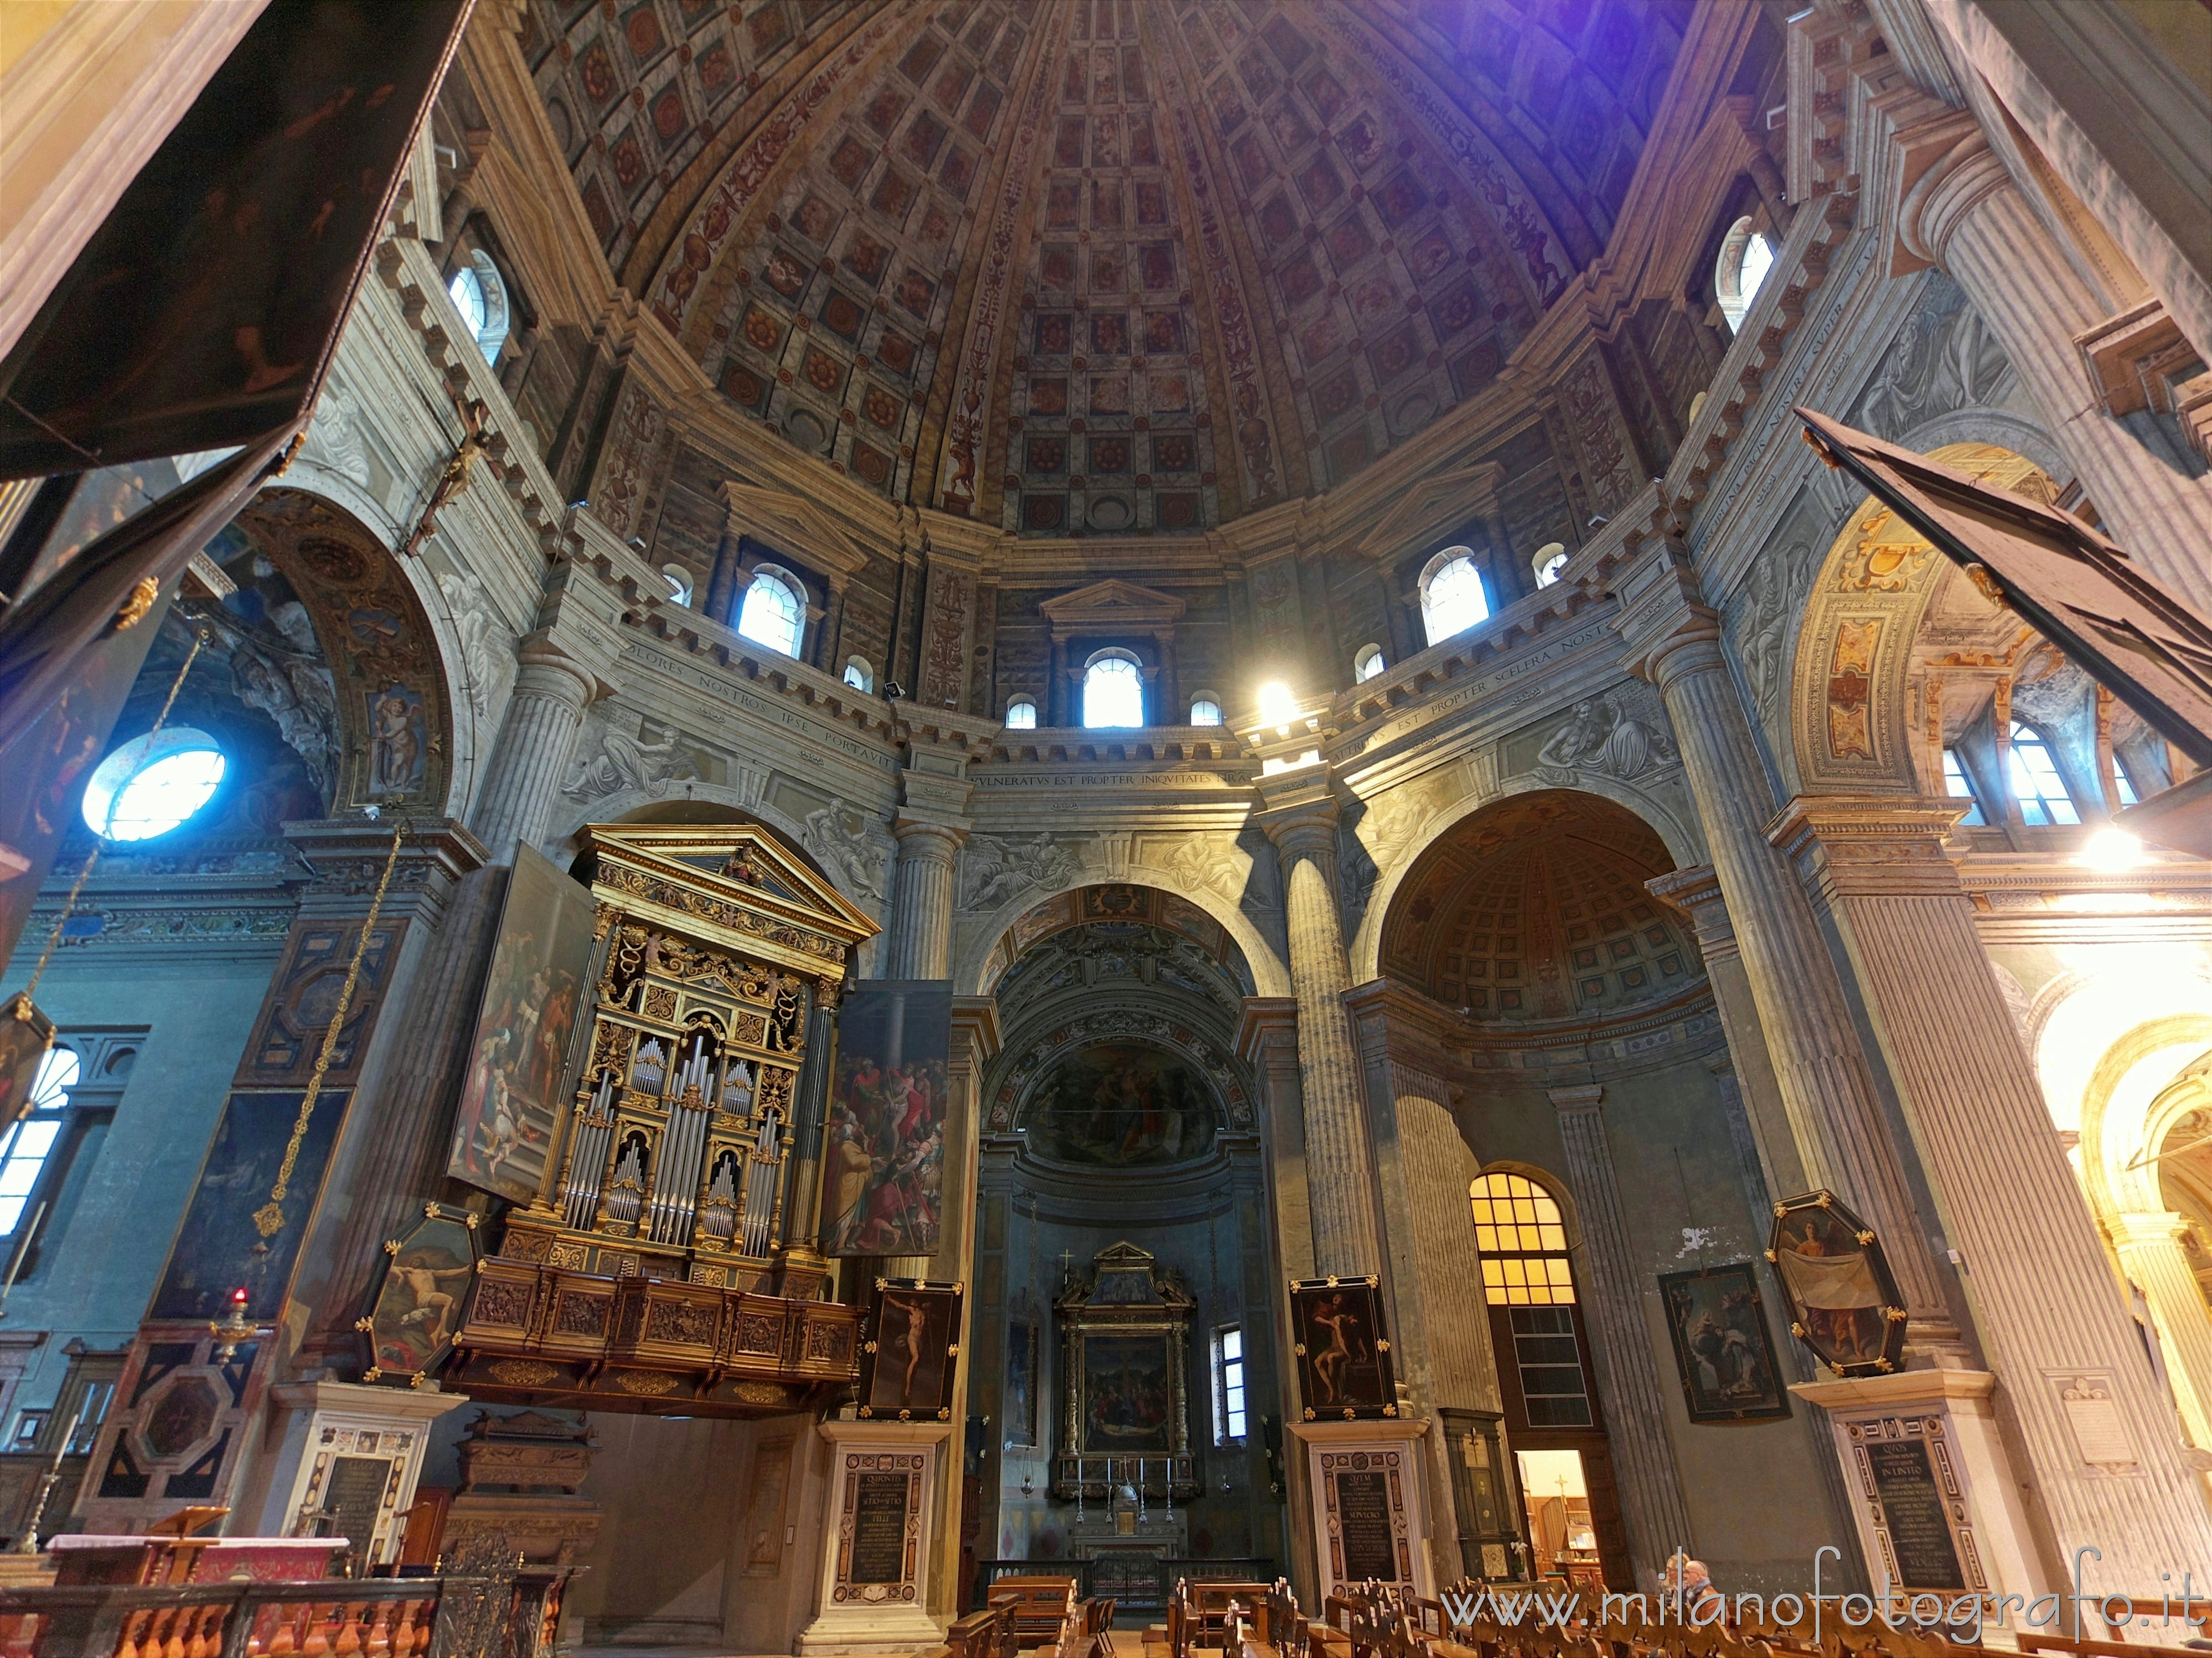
x,y
1298,812
1694,892
975,1029
924,826
1663,620
1871,845
552,667
1942,169
1570,1102
2151,1229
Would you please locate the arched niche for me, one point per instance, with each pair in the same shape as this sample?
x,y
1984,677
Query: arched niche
x,y
393,708
980,935
1406,833
1853,727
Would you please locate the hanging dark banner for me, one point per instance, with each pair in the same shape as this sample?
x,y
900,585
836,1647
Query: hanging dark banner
x,y
203,312
882,1159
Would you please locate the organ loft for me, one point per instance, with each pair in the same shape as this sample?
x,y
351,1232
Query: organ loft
x,y
850,827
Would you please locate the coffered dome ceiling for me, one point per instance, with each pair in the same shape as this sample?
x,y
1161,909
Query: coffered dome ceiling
x,y
1101,264
1536,910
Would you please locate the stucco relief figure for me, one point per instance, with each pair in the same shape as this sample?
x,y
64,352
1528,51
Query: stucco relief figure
x,y
472,622
1770,596
1597,736
999,868
1946,359
335,437
845,851
625,763
1196,864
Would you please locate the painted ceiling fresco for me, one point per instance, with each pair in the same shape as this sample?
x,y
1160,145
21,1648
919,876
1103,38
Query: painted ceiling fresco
x,y
1536,910
1101,265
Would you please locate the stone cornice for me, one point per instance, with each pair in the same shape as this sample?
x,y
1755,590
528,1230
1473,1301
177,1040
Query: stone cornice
x,y
1269,1024
1445,1036
1870,845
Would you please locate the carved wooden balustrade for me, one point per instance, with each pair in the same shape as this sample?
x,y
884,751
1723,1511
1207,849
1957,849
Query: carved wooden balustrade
x,y
512,1615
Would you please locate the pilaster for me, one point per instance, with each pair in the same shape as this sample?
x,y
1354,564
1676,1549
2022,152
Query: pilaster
x,y
553,686
2010,1202
2151,1254
1643,1447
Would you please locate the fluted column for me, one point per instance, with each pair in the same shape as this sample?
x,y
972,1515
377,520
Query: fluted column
x,y
1820,1072
1340,1157
802,1199
920,941
1964,212
2051,1320
720,604
1636,1416
2151,1255
552,691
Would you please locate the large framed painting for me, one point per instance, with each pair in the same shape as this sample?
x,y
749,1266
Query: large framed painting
x,y
506,1131
1721,1346
219,1247
908,1361
1129,1395
1843,1302
883,1156
1115,1105
423,1295
1343,1354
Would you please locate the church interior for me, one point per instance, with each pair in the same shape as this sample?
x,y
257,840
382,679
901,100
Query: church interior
x,y
843,827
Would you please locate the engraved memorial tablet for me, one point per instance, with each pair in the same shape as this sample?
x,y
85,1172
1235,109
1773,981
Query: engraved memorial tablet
x,y
1363,1507
879,1506
1914,1515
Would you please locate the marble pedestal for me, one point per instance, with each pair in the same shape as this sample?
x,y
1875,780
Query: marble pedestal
x,y
1369,1517
876,1552
1935,1502
347,1461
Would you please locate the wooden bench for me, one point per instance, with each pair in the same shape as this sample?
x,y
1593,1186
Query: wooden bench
x,y
986,1634
1034,1607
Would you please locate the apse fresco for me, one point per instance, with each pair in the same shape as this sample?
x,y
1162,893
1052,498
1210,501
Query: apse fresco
x,y
1114,1106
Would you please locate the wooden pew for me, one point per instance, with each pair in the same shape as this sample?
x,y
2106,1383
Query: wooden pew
x,y
1035,1608
986,1634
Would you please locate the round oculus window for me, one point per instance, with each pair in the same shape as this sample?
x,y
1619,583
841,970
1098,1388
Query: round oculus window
x,y
152,784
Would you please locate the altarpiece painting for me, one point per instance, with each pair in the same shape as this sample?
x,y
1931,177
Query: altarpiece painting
x,y
1125,1410
883,1156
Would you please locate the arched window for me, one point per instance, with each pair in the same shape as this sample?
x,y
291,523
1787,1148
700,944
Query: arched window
x,y
1113,691
679,583
480,294
773,614
1745,257
152,784
1522,1240
24,1149
1021,715
2035,780
859,675
1551,559
1452,600
1959,786
1205,709
1368,663
2123,783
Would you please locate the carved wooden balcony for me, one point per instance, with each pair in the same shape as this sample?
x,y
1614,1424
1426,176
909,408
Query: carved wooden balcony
x,y
549,1336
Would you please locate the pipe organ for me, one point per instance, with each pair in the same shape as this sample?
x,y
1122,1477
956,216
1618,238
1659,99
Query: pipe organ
x,y
664,1226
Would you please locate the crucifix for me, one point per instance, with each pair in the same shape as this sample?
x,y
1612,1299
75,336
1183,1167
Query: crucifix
x,y
455,476
1066,1260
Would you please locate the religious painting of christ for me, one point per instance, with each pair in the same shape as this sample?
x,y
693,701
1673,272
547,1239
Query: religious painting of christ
x,y
1343,1356
1129,1406
511,1106
1117,1105
1843,1303
883,1161
419,1304
1721,1346
907,1364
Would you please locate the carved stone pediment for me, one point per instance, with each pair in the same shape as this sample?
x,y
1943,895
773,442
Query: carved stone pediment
x,y
1431,506
1112,606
